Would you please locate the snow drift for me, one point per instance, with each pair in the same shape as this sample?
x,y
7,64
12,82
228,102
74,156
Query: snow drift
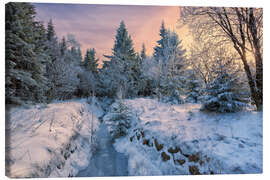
x,y
180,139
52,140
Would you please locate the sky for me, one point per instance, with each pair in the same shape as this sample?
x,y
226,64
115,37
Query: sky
x,y
94,26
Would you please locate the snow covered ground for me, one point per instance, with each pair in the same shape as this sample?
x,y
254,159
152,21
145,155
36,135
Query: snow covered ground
x,y
180,139
164,139
52,140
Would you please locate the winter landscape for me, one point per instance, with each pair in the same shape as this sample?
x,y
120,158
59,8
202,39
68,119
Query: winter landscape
x,y
121,100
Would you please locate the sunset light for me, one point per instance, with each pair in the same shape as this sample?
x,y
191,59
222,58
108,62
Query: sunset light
x,y
94,26
132,90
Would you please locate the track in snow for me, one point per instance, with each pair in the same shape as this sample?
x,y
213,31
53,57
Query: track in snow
x,y
106,161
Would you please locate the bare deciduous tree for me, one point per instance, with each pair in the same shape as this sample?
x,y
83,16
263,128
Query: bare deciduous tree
x,y
206,57
242,28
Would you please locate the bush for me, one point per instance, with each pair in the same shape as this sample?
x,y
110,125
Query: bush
x,y
87,84
173,97
225,94
118,120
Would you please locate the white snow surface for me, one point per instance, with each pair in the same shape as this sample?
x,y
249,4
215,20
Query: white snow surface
x,y
51,140
227,143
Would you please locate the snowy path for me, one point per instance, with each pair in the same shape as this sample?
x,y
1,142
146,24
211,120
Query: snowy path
x,y
106,161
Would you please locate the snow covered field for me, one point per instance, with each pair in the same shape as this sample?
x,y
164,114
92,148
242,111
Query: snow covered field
x,y
180,139
52,140
163,139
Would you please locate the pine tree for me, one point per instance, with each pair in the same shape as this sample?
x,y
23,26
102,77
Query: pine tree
x,y
25,55
90,61
63,46
50,31
123,71
174,55
225,94
89,77
73,51
123,45
64,70
193,87
53,52
53,48
65,79
143,52
170,56
159,49
79,53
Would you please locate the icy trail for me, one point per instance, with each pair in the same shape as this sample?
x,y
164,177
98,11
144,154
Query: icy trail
x,y
105,161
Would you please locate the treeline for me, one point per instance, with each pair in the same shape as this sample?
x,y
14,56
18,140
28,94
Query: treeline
x,y
40,68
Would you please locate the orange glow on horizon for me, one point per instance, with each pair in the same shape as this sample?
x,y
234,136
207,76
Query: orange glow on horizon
x,y
142,22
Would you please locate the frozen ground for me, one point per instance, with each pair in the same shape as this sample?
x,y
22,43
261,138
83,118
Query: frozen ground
x,y
52,140
55,141
180,139
105,160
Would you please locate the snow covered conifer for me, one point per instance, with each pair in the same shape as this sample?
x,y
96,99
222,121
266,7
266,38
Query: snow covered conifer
x,y
90,61
122,72
89,77
53,47
159,49
65,79
193,87
63,46
170,56
75,55
50,30
143,52
225,94
87,84
73,51
64,70
123,45
149,77
79,53
119,119
25,55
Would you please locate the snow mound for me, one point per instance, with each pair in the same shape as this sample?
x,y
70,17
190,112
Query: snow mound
x,y
180,139
51,140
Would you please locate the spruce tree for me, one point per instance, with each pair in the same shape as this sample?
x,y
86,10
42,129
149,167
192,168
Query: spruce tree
x,y
143,52
193,87
50,31
63,46
225,93
53,53
123,45
159,49
79,53
90,61
123,71
52,43
170,57
73,51
25,55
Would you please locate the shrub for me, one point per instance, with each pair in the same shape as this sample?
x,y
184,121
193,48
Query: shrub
x,y
118,119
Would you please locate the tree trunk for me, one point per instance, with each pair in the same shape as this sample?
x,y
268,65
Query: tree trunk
x,y
252,25
259,82
256,96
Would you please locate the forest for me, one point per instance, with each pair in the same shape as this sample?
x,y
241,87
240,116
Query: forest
x,y
221,72
40,67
